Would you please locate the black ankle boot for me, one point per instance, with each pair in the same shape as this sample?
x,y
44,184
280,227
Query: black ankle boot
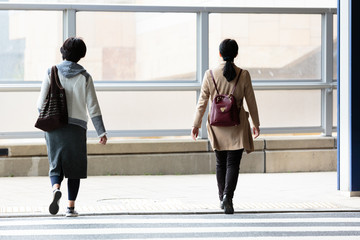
x,y
228,205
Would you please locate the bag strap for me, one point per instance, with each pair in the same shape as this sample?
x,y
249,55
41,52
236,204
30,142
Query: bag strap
x,y
212,76
237,80
54,78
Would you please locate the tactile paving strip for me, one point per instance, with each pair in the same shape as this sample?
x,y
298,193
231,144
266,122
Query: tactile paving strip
x,y
173,205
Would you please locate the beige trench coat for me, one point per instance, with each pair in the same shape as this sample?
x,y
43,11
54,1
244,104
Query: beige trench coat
x,y
236,137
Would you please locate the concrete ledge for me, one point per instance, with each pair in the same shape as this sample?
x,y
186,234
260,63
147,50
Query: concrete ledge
x,y
24,166
134,164
159,156
115,147
259,144
19,150
152,164
278,143
252,163
301,161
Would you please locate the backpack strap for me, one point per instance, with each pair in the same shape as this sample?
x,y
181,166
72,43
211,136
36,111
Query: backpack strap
x,y
237,80
212,76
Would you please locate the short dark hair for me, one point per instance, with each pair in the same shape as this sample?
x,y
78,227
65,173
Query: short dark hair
x,y
229,49
73,49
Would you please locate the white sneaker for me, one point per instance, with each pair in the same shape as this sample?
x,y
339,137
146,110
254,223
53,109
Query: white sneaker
x,y
54,205
70,212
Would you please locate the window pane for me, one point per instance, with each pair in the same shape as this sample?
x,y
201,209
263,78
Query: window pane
x,y
292,108
139,46
147,110
120,110
335,107
335,48
271,46
18,111
30,43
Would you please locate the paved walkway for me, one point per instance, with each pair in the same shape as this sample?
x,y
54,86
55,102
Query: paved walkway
x,y
30,196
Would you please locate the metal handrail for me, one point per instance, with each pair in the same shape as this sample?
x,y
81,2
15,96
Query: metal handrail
x,y
170,86
172,9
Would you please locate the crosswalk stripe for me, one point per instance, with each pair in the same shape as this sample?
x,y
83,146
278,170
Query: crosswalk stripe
x,y
263,238
178,206
307,226
57,221
107,231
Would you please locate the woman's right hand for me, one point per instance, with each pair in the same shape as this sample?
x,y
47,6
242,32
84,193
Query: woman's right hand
x,y
103,140
256,131
194,133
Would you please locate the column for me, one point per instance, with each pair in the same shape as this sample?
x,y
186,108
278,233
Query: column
x,y
349,98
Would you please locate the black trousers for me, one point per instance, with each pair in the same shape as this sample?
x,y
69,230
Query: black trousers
x,y
227,171
73,186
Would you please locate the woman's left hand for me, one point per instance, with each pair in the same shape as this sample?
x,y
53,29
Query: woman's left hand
x,y
194,133
103,140
256,131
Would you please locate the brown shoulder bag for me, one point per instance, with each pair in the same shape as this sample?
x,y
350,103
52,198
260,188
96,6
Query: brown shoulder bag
x,y
53,113
224,111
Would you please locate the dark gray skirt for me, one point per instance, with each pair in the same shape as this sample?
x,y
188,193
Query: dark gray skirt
x,y
67,152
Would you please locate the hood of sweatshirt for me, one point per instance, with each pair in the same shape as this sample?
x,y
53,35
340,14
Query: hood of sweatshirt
x,y
70,69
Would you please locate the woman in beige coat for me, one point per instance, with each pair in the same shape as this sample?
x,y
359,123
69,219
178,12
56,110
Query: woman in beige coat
x,y
228,142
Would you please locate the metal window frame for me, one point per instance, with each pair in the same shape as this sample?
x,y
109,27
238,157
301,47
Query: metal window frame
x,y
326,84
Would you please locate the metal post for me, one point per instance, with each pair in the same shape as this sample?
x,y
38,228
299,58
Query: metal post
x,y
202,46
327,73
69,23
349,100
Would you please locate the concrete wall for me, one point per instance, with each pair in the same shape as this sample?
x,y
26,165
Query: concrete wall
x,y
138,157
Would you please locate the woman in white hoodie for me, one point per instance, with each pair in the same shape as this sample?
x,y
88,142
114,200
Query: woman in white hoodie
x,y
66,146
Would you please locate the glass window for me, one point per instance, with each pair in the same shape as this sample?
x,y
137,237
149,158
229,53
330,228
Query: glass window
x,y
335,107
139,46
162,47
289,108
30,43
19,111
271,46
120,110
335,48
147,110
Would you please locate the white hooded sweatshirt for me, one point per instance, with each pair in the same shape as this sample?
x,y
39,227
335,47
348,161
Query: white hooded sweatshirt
x,y
80,95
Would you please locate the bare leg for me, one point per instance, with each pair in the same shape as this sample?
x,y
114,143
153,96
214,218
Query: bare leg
x,y
56,186
71,203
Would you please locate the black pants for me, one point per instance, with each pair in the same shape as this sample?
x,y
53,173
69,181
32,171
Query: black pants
x,y
73,186
227,171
